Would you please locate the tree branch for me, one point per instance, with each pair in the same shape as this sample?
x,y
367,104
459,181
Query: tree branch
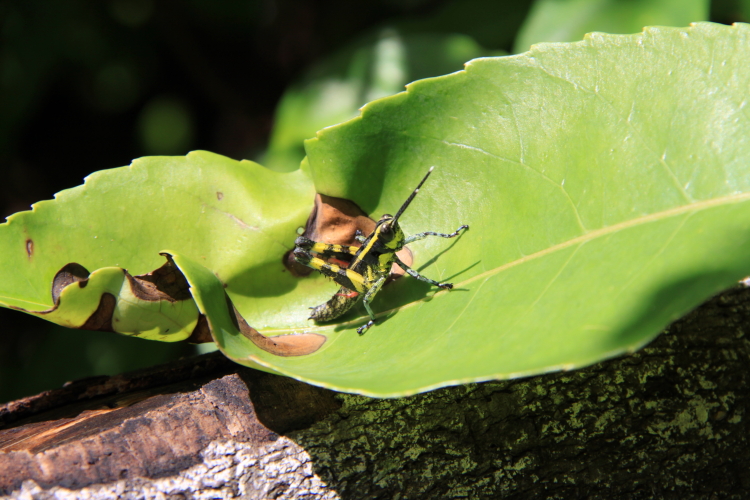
x,y
667,422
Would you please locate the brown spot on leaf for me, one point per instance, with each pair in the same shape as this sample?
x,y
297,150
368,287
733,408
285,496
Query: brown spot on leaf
x,y
201,333
280,345
407,258
29,247
101,320
165,283
295,344
70,273
336,221
219,195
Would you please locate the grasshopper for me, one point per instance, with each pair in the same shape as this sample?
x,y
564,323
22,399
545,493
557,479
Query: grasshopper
x,y
369,264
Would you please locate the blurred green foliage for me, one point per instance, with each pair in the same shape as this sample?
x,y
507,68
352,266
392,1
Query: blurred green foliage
x,y
570,20
91,85
47,355
165,126
335,88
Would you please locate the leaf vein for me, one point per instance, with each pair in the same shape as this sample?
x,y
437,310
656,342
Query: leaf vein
x,y
549,285
643,268
677,211
628,123
466,307
522,164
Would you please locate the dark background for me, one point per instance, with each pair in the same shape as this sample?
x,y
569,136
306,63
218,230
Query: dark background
x,y
89,85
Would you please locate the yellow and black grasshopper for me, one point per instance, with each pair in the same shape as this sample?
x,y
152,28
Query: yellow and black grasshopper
x,y
369,265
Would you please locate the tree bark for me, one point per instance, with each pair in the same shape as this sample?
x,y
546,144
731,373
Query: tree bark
x,y
667,422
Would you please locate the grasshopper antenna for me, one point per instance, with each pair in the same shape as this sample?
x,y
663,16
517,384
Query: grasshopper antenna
x,y
411,197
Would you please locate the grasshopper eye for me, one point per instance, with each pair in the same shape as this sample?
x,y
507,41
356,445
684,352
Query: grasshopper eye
x,y
385,229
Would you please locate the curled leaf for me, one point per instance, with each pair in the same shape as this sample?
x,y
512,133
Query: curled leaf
x,y
230,329
155,306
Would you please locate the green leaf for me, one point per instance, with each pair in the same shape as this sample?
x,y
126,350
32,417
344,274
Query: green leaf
x,y
235,218
110,299
334,89
606,185
231,332
569,20
605,182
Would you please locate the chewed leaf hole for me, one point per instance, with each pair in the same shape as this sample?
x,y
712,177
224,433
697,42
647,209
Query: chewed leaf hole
x,y
70,273
156,306
336,221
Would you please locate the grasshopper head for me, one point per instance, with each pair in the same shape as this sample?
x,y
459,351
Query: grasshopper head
x,y
389,233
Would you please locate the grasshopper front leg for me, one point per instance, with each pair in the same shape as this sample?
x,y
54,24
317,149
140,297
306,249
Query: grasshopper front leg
x,y
366,301
420,236
411,272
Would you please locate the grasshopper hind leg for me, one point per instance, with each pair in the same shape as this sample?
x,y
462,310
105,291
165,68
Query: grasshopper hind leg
x,y
342,301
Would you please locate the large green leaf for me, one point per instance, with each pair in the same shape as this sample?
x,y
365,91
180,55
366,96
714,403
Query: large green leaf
x,y
606,184
235,218
373,67
569,20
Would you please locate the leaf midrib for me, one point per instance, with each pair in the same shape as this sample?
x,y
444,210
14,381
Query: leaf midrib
x,y
589,236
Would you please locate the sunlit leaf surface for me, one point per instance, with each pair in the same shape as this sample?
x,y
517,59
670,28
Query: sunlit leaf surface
x,y
606,184
235,218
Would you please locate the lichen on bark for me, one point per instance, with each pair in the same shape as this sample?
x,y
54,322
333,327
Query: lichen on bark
x,y
668,421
